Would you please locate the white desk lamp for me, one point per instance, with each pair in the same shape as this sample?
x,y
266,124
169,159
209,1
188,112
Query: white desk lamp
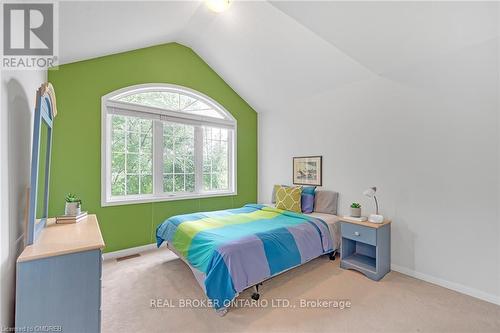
x,y
374,218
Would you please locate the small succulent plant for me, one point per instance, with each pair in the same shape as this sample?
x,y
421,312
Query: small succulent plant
x,y
70,197
355,205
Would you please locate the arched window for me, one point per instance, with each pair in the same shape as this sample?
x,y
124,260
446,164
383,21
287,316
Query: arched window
x,y
165,142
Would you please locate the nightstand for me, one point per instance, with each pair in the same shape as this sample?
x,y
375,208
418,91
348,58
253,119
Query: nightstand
x,y
366,247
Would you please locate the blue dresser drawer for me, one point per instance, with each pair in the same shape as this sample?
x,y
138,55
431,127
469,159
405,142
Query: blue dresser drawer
x,y
60,291
359,233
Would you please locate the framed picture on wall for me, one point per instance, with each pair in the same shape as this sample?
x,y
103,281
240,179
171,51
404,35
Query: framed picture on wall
x,y
307,170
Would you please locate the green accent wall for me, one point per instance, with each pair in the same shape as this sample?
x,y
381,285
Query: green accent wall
x,y
76,157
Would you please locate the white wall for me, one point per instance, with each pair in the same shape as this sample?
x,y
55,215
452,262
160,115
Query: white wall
x,y
17,102
428,137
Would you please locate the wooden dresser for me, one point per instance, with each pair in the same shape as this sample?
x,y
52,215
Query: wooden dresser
x,y
58,282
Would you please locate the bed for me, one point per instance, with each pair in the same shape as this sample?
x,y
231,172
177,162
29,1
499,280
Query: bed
x,y
232,250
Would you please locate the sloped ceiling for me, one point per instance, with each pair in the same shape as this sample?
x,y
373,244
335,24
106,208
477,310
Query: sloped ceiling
x,y
385,36
275,53
90,29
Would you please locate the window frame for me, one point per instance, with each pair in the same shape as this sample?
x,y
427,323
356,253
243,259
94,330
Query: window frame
x,y
110,105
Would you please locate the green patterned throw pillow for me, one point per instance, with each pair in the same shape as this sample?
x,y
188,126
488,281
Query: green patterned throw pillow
x,y
288,198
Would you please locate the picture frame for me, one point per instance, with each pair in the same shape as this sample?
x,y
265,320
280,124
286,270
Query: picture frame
x,y
308,170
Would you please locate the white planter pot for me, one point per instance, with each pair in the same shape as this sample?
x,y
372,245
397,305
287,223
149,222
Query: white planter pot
x,y
72,208
355,212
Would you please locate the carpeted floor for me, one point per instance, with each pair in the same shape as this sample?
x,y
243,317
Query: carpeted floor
x,y
397,303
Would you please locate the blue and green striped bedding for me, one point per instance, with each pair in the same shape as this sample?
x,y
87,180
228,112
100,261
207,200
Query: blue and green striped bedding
x,y
238,248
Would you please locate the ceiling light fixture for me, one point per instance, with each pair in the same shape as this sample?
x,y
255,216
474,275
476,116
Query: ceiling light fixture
x,y
218,6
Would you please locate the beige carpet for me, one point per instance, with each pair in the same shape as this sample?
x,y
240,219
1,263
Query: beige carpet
x,y
397,303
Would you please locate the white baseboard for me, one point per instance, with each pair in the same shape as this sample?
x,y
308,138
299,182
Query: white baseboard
x,y
447,284
128,252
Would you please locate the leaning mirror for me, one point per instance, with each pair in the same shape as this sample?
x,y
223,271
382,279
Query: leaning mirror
x,y
40,161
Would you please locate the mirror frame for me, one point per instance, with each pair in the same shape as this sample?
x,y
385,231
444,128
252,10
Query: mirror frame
x,y
45,112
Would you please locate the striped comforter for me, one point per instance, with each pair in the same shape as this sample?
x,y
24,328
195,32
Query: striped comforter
x,y
237,248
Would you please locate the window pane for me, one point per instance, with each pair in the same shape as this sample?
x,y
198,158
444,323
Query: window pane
x,y
186,101
146,184
131,156
118,140
118,123
178,158
178,183
179,163
132,163
168,166
160,99
197,105
189,167
146,126
215,159
168,183
133,124
207,182
118,181
145,164
146,143
173,101
190,182
118,163
224,136
207,113
133,142
132,184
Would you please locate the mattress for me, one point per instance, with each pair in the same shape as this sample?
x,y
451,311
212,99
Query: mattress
x,y
333,225
233,249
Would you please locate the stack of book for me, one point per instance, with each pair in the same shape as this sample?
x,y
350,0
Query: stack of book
x,y
65,219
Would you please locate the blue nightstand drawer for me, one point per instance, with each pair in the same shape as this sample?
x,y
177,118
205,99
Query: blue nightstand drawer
x,y
359,233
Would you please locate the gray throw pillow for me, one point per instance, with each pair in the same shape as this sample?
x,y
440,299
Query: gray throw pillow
x,y
326,202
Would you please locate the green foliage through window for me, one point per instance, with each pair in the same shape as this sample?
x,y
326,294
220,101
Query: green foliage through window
x,y
178,158
156,153
172,101
131,156
215,159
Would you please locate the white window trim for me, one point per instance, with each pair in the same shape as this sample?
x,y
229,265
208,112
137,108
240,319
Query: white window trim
x,y
109,105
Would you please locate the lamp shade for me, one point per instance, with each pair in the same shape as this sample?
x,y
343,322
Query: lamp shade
x,y
370,192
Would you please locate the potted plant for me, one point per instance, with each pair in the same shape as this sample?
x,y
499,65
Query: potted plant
x,y
355,209
73,205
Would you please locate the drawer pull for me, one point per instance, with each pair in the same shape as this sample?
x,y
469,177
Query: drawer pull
x,y
356,233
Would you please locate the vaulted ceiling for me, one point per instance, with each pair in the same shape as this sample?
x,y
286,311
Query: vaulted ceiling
x,y
274,51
